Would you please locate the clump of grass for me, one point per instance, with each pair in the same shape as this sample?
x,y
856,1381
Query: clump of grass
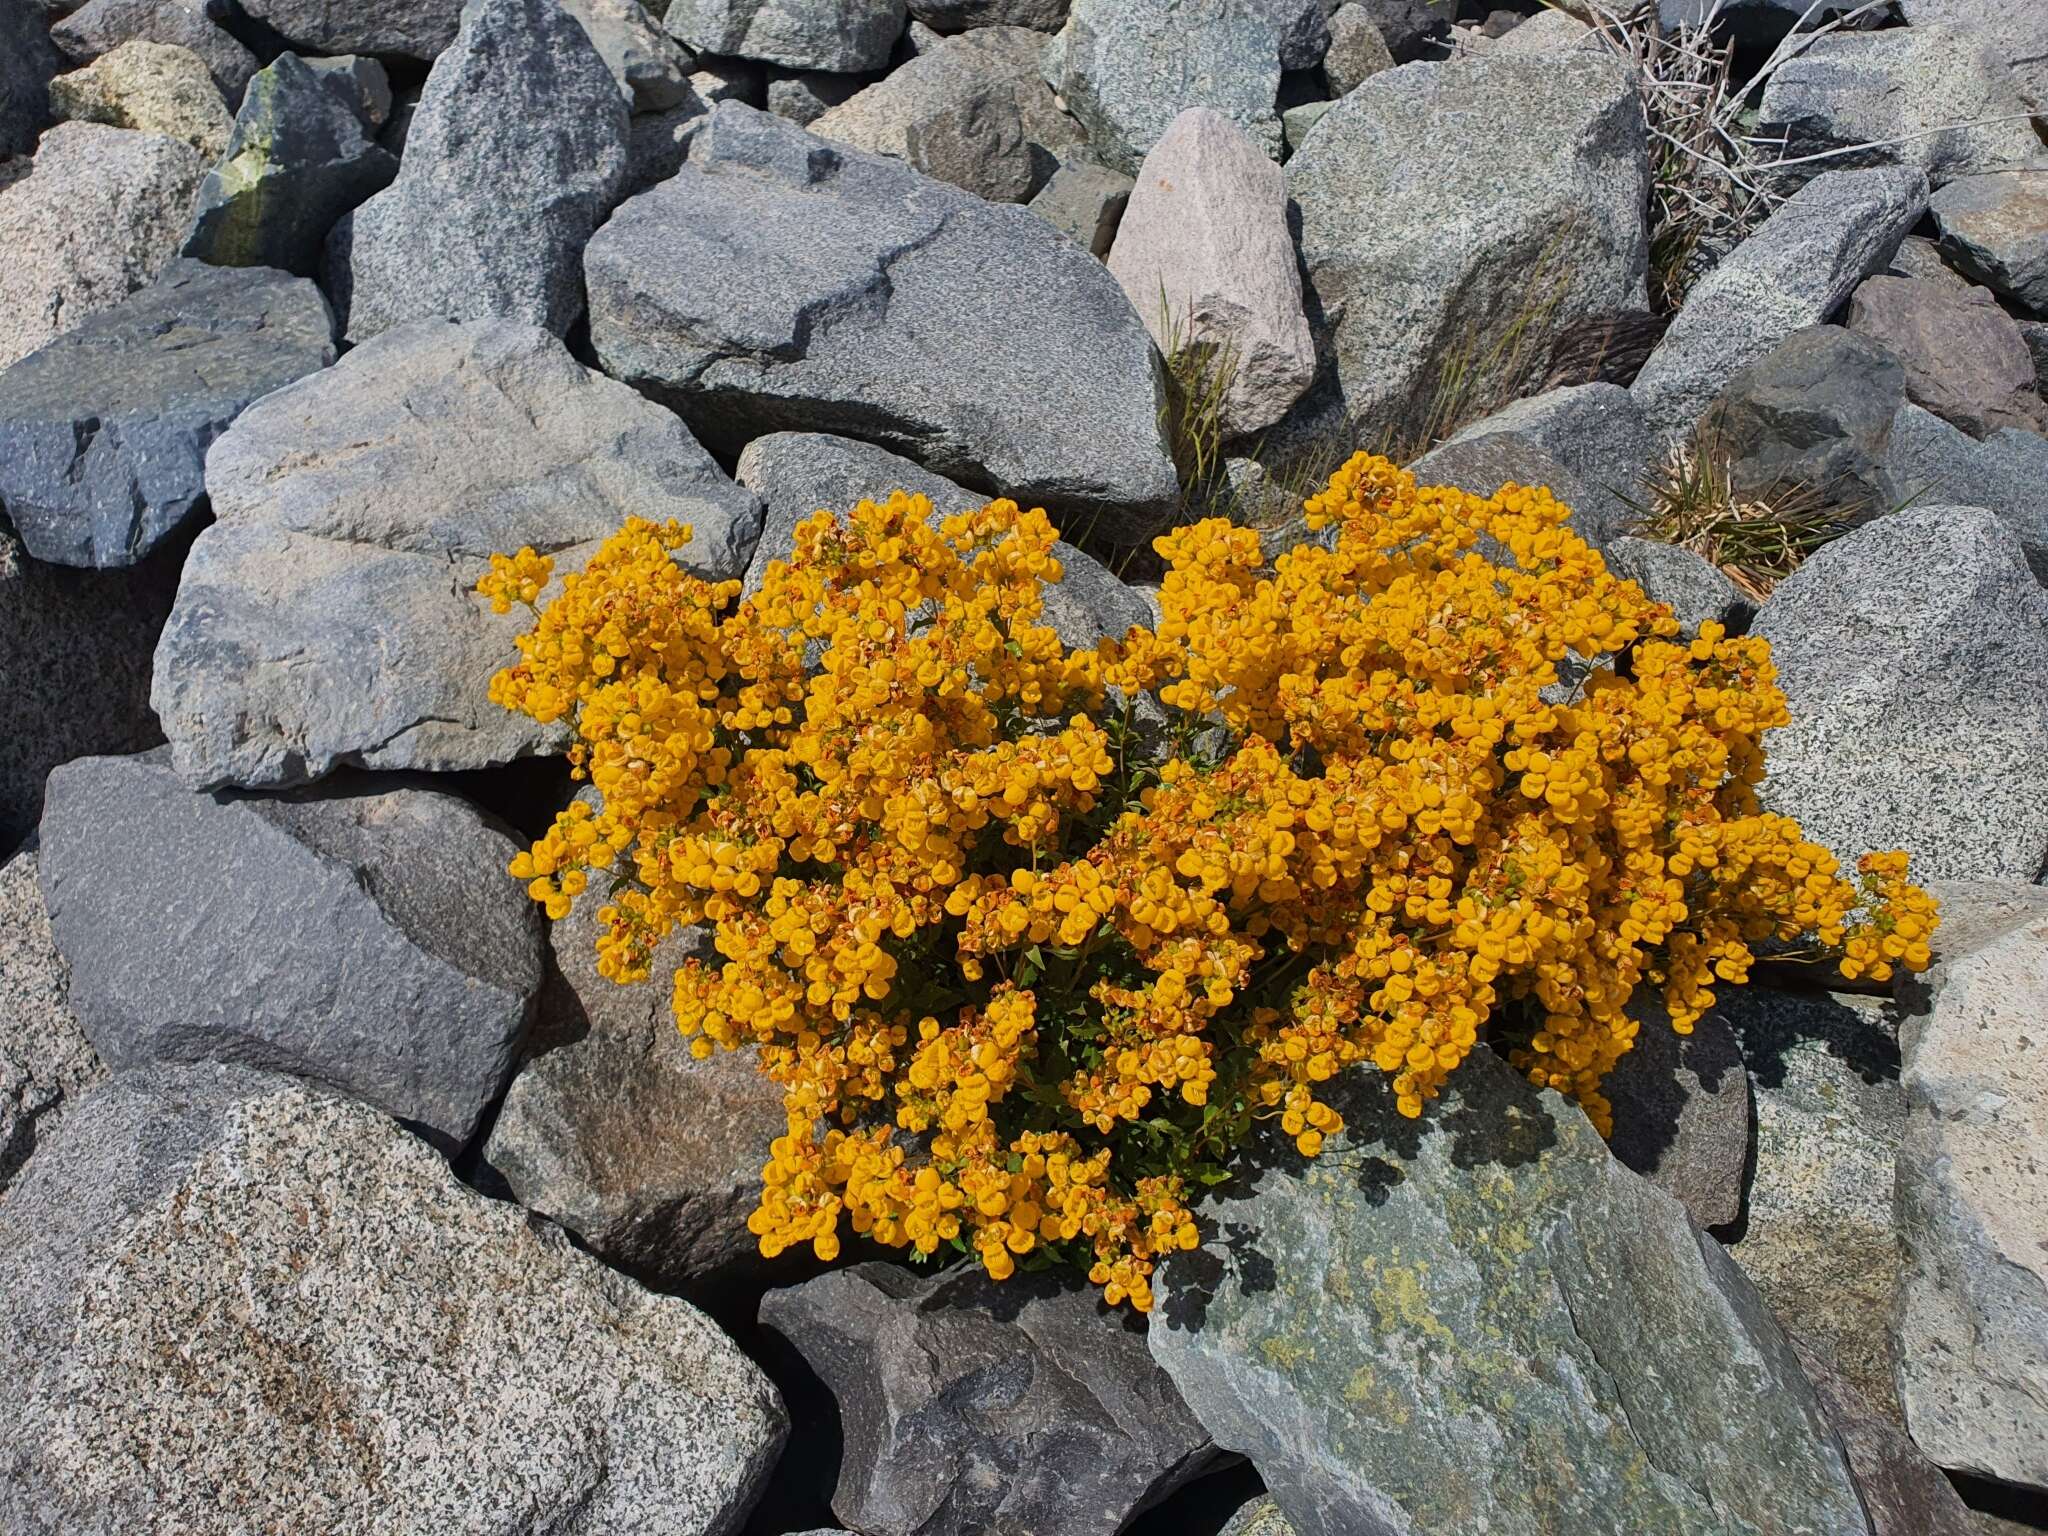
x,y
1755,540
1200,373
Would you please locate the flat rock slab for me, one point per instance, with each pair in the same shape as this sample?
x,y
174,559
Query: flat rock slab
x,y
778,281
329,617
367,940
46,1062
235,1303
104,432
1682,1113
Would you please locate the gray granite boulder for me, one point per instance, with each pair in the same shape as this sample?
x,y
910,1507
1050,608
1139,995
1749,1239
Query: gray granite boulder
x,y
364,939
1483,1320
651,67
1814,413
1911,653
328,617
1796,270
805,95
1085,202
1694,588
779,281
1972,1321
2016,34
516,153
961,15
236,1303
1682,1114
1357,50
1964,357
972,1407
844,36
1128,68
1995,228
657,143
104,432
98,216
1930,461
304,153
46,1062
1482,463
407,29
1597,431
152,88
27,61
100,26
1538,207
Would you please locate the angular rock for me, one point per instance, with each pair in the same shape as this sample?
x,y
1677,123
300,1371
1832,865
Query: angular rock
x,y
657,143
1995,228
614,1130
1547,32
1919,257
361,82
1204,255
1903,1492
152,88
1695,589
97,217
1596,431
328,618
101,26
1911,653
651,67
75,651
1296,122
1814,413
1972,1321
301,157
1261,1517
216,1273
805,95
740,80
1964,357
1304,30
845,36
1085,202
367,941
27,61
1796,270
974,1406
972,112
1930,461
1935,98
1681,1113
1357,51
2035,334
708,291
1412,29
2016,34
1483,1320
46,1062
1547,188
517,152
1482,463
1130,67
407,29
961,15
104,432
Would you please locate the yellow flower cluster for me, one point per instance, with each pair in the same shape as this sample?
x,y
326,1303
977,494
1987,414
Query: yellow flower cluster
x,y
1032,939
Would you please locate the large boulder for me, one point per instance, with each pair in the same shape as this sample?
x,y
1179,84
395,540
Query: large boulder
x,y
1972,1321
781,281
516,153
1694,588
1813,414
960,15
46,1062
1128,68
1682,1113
328,617
1964,357
1536,213
304,153
1796,270
844,36
1931,462
1995,228
235,1304
152,88
1481,463
98,216
1482,1320
975,1407
2016,34
1911,653
651,67
100,26
27,61
1204,254
362,938
1596,431
407,29
104,432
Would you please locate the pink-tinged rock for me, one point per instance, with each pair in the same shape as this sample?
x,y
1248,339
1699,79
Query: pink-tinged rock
x,y
1205,237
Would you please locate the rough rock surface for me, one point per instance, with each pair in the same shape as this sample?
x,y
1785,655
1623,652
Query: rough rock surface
x,y
961,15
1085,202
1964,357
1814,413
1357,50
410,29
657,143
1972,1323
98,217
1796,270
1544,188
973,1407
845,36
515,154
651,67
708,293
1260,1517
1995,228
1413,29
805,95
1667,573
104,432
2016,34
367,940
1484,1319
1482,463
45,1060
1932,462
303,154
1204,255
1903,1492
1597,431
1682,1114
27,61
101,26
217,1274
1911,654
1547,32
152,88
328,617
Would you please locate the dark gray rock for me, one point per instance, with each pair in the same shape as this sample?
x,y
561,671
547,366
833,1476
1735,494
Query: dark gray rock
x,y
973,1407
2035,334
369,941
1815,412
1597,431
1903,1492
712,293
1483,1319
104,432
303,155
1796,270
1482,464
1304,30
75,651
1911,654
1920,258
408,29
328,617
101,26
45,1060
805,95
1695,589
846,36
652,68
1412,29
215,1274
27,61
1995,228
1084,202
1964,357
1754,21
517,152
1681,1112
657,143
1930,462
961,15
359,81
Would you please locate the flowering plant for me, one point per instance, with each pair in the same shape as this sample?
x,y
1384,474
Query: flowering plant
x,y
1030,937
